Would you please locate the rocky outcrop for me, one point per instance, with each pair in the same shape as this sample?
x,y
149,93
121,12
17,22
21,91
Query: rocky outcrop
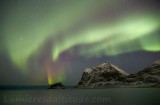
x,y
148,77
57,86
101,75
109,75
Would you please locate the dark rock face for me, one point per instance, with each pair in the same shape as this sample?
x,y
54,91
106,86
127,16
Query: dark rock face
x,y
148,77
57,86
101,75
109,75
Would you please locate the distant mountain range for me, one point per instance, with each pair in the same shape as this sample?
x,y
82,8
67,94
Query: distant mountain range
x,y
108,75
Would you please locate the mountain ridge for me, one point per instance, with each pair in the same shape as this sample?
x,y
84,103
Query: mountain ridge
x,y
109,75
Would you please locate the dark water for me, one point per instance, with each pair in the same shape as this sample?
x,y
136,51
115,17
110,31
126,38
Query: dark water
x,y
112,96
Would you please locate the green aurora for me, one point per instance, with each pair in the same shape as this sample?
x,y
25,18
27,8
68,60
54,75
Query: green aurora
x,y
71,23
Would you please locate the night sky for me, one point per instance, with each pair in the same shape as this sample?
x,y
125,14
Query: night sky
x,y
47,41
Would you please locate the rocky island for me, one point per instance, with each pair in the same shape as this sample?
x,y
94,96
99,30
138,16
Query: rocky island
x,y
108,75
57,86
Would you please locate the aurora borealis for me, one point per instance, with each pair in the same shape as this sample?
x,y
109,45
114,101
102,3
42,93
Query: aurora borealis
x,y
45,41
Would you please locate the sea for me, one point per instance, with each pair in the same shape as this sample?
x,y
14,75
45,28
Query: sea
x,y
73,96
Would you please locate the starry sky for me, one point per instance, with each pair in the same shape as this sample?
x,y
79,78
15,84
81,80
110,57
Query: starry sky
x,y
47,41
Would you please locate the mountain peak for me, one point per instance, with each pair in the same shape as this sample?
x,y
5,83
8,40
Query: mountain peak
x,y
109,75
105,67
101,73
